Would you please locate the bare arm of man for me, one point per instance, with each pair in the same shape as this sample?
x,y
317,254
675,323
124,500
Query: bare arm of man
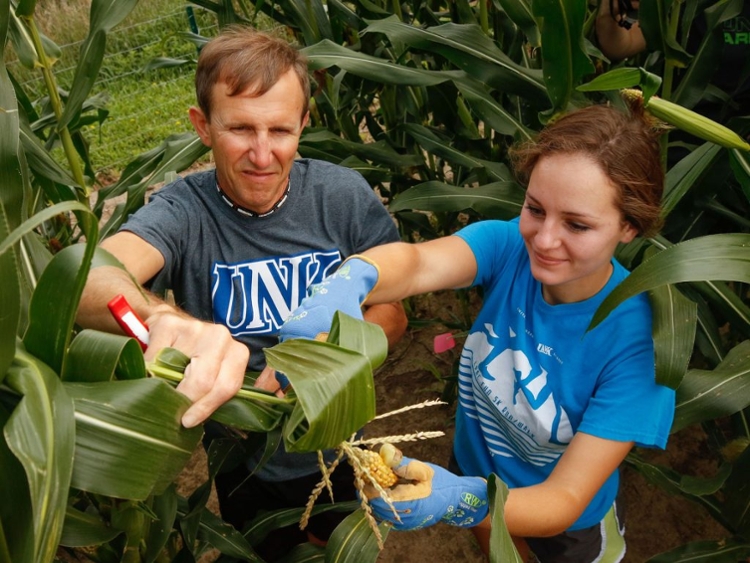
x,y
391,317
217,361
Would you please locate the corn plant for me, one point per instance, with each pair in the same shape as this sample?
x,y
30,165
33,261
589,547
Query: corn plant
x,y
424,98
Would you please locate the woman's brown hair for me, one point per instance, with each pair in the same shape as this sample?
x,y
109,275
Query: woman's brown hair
x,y
626,148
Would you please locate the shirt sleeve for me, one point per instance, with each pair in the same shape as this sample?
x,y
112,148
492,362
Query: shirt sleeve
x,y
628,404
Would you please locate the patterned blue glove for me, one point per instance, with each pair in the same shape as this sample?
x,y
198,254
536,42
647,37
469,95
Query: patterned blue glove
x,y
433,495
344,290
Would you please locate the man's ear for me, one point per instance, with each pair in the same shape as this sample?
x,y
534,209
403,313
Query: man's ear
x,y
200,124
305,120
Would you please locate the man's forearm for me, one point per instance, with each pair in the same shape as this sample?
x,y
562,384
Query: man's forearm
x,y
104,283
391,317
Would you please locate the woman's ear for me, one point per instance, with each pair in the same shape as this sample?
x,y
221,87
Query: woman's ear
x,y
629,232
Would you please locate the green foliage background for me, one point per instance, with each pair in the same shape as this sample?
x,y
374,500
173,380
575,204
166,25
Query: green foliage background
x,y
424,99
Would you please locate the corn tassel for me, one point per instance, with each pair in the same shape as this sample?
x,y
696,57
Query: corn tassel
x,y
689,121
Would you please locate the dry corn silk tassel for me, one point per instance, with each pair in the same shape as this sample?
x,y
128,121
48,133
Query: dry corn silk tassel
x,y
371,468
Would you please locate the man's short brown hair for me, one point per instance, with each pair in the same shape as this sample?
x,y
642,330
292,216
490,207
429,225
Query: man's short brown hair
x,y
244,58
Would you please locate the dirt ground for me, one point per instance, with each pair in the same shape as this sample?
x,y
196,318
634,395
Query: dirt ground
x,y
655,522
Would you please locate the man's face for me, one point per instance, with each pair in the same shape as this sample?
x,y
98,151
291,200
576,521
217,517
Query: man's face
x,y
254,140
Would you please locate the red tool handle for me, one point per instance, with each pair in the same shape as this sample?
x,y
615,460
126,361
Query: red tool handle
x,y
130,322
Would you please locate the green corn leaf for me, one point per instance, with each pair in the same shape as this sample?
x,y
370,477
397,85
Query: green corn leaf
x,y
311,17
253,409
442,148
373,173
687,173
25,8
696,489
30,224
714,257
737,495
305,553
502,549
698,75
378,152
11,204
222,536
16,518
653,17
720,297
52,319
490,110
101,356
41,162
125,447
615,79
706,395
498,200
105,14
353,541
366,338
334,387
167,62
22,42
469,49
41,434
721,551
248,415
160,529
564,58
83,529
327,54
740,163
10,301
674,325
624,77
519,11
175,154
726,301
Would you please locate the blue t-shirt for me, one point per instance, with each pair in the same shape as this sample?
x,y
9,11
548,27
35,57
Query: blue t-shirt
x,y
530,375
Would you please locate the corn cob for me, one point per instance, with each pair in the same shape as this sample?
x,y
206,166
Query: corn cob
x,y
377,468
689,121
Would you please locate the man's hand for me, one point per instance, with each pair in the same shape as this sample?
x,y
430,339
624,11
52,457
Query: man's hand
x,y
217,361
431,495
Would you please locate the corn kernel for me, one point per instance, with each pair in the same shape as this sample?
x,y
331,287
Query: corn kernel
x,y
378,470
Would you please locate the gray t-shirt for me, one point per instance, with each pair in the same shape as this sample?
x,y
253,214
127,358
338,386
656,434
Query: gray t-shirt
x,y
250,273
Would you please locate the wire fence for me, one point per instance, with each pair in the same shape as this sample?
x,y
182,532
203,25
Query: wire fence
x,y
140,108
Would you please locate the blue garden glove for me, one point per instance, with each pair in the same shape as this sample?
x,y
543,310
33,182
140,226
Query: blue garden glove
x,y
432,495
345,290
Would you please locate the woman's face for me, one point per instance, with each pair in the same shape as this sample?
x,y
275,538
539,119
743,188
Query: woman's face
x,y
571,227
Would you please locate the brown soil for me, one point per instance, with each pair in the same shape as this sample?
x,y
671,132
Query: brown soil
x,y
655,521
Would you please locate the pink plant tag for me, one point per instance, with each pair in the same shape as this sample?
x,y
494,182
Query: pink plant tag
x,y
443,342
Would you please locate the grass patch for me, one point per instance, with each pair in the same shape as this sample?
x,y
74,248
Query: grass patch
x,y
145,107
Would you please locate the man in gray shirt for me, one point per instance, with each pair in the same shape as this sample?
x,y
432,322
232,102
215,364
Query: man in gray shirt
x,y
238,246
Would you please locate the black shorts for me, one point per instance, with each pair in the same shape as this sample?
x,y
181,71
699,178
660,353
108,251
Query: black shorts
x,y
240,506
